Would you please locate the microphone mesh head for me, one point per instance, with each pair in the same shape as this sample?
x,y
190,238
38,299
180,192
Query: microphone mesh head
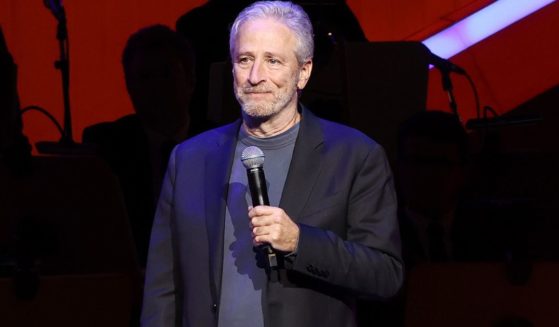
x,y
252,157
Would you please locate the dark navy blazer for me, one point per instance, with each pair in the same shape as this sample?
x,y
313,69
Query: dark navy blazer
x,y
339,189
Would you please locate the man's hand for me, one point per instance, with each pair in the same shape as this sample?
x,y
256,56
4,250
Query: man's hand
x,y
273,226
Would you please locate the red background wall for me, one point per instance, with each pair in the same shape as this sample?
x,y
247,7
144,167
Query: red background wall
x,y
509,68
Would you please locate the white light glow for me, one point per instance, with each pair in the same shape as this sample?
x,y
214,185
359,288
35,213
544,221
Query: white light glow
x,y
481,25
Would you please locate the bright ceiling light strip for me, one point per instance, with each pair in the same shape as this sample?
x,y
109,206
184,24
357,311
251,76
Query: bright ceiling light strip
x,y
481,25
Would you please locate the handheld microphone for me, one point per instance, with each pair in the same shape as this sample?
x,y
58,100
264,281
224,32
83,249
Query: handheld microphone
x,y
253,160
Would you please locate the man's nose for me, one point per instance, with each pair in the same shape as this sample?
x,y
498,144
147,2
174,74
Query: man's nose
x,y
257,73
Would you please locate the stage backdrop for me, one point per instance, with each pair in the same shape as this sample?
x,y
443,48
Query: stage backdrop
x,y
509,68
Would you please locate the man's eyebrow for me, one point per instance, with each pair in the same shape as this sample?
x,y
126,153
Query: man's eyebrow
x,y
268,54
244,53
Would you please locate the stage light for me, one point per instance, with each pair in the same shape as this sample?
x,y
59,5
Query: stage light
x,y
481,25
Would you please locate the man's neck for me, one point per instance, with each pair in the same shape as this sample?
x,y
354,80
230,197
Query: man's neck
x,y
270,126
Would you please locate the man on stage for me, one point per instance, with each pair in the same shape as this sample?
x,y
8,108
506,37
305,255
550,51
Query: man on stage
x,y
332,215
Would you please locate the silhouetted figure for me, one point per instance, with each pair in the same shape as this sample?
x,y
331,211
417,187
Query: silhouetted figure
x,y
431,171
207,29
15,150
159,71
440,220
432,153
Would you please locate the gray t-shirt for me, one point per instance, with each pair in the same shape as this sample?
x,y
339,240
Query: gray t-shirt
x,y
242,280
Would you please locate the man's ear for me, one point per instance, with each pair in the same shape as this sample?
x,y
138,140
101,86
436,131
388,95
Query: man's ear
x,y
304,74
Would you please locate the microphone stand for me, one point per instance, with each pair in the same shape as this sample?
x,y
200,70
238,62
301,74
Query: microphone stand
x,y
63,65
446,67
448,88
66,144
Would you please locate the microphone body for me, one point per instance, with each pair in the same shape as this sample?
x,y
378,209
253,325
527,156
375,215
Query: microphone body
x,y
257,186
253,160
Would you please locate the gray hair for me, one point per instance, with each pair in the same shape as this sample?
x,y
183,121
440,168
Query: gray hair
x,y
286,12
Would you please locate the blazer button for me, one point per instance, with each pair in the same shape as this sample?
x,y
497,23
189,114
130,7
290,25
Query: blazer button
x,y
310,268
214,307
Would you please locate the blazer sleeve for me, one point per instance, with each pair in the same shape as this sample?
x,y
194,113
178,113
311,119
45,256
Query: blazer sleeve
x,y
366,259
160,291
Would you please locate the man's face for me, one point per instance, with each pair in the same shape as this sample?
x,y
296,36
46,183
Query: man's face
x,y
266,73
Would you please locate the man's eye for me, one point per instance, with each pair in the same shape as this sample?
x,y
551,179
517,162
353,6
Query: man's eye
x,y
243,60
273,61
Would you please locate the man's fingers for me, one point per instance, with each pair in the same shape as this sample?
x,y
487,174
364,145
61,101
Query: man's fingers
x,y
263,230
262,221
261,210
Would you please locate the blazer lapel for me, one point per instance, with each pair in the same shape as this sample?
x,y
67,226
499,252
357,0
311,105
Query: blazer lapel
x,y
305,165
217,171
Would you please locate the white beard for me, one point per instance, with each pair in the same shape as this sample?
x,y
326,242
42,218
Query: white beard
x,y
262,108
